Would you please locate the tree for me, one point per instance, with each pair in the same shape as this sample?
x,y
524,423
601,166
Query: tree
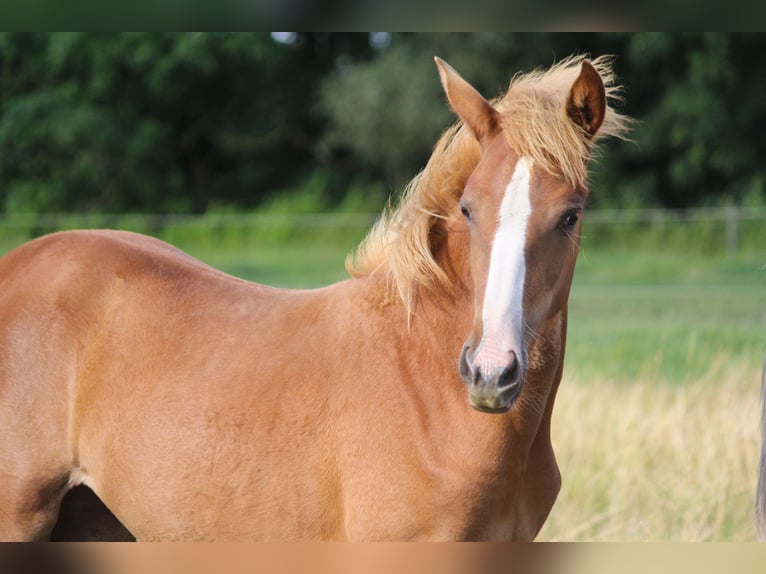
x,y
180,122
156,122
698,98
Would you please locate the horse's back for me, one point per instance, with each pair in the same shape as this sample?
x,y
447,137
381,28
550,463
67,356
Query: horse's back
x,y
95,252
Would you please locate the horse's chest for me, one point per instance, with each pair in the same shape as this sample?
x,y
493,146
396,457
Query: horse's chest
x,y
448,504
483,508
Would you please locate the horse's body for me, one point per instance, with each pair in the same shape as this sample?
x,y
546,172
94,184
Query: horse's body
x,y
235,440
199,406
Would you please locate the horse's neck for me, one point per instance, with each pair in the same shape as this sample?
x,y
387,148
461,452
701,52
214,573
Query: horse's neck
x,y
447,313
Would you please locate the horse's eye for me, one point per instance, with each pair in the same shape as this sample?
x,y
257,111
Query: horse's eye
x,y
465,212
570,219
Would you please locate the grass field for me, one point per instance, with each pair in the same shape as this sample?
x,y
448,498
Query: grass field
x,y
648,461
656,424
670,317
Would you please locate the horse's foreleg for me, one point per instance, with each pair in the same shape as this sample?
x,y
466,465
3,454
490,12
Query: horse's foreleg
x,y
28,508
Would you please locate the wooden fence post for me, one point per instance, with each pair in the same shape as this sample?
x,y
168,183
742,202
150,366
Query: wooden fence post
x,y
732,228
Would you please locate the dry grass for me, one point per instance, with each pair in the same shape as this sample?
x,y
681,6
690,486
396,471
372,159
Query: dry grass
x,y
648,460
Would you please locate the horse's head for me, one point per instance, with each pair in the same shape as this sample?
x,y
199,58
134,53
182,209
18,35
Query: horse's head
x,y
524,226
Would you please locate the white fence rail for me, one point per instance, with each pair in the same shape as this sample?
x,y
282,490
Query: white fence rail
x,y
731,216
732,220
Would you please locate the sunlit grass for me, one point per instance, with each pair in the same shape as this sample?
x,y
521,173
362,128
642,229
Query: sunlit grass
x,y
649,461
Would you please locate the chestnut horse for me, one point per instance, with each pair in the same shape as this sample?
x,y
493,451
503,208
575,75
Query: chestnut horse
x,y
198,406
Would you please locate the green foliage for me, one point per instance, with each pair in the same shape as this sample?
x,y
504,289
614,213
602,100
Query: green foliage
x,y
700,100
388,112
148,122
186,123
374,108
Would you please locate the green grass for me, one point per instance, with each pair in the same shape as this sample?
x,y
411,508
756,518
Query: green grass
x,y
298,266
670,313
669,316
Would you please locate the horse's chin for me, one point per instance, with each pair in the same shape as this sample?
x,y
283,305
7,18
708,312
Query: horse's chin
x,y
497,406
491,410
495,403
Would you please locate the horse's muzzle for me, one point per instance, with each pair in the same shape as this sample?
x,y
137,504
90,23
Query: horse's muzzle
x,y
493,392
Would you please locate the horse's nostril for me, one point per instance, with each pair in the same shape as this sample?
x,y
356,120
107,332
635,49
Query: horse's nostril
x,y
510,374
513,365
466,371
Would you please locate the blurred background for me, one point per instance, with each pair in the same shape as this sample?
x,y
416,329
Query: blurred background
x,y
208,138
269,156
193,123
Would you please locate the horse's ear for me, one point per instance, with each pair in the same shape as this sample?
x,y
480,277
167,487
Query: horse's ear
x,y
476,112
586,103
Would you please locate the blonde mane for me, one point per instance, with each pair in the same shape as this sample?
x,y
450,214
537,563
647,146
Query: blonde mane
x,y
403,241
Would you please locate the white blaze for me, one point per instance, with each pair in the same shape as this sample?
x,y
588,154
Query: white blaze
x,y
502,313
